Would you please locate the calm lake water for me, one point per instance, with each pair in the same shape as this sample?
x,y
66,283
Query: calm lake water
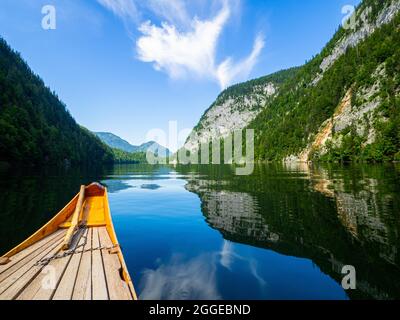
x,y
203,233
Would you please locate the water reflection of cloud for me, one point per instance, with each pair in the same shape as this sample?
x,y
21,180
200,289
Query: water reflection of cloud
x,y
228,255
194,279
254,271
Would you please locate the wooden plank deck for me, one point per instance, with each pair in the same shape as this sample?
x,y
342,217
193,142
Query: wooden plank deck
x,y
90,272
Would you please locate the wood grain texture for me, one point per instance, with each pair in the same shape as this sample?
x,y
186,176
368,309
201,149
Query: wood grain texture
x,y
117,288
66,286
30,250
83,284
100,291
11,287
45,284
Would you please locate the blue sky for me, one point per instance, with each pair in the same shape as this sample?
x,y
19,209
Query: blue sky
x,y
129,66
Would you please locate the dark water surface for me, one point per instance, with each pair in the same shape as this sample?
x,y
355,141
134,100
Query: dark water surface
x,y
203,233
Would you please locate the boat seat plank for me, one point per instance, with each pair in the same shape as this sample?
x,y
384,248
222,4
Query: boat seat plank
x,y
11,287
28,251
45,284
100,291
83,284
117,288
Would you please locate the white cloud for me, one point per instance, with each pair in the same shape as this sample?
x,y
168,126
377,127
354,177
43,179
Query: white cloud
x,y
228,71
121,8
173,11
227,254
181,53
183,46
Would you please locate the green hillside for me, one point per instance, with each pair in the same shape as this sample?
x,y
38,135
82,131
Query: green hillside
x,y
121,156
35,126
242,90
290,122
342,105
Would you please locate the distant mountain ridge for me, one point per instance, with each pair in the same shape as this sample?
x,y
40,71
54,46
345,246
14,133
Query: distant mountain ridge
x,y
36,129
114,141
117,142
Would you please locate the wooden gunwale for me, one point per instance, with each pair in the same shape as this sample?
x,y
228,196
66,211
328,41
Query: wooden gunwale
x,y
108,274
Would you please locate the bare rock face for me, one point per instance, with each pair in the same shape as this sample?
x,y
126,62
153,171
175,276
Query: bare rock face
x,y
238,106
230,113
360,116
354,38
233,213
353,116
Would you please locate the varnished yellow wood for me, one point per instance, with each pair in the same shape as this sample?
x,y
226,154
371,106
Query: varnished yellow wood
x,y
65,225
96,211
47,229
114,240
118,289
75,220
85,214
92,274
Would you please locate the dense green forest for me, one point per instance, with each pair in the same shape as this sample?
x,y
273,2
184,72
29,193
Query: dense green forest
x,y
35,126
37,129
309,117
289,123
246,88
121,156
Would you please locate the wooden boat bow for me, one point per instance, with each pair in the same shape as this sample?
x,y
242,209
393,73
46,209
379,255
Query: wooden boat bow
x,y
79,245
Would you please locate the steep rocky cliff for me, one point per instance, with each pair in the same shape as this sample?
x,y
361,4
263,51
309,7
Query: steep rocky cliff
x,y
343,105
236,107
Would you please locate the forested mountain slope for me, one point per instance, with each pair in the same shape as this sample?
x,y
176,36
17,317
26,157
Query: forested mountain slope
x,y
342,105
35,126
236,107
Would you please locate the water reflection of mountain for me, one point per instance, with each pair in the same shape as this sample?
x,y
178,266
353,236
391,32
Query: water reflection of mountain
x,y
115,186
233,213
334,217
